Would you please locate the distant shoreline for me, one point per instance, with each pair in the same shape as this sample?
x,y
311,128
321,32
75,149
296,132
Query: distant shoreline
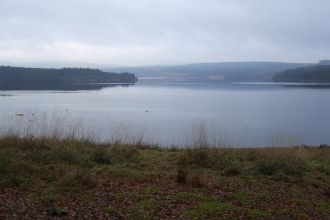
x,y
19,77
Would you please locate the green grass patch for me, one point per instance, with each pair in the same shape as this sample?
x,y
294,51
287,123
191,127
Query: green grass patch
x,y
208,210
185,196
143,209
257,214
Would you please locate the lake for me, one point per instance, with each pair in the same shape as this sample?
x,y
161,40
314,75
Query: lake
x,y
166,113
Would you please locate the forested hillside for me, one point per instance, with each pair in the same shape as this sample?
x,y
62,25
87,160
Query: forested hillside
x,y
20,76
319,73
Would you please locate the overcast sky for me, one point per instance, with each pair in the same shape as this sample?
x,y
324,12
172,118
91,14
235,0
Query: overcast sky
x,y
147,32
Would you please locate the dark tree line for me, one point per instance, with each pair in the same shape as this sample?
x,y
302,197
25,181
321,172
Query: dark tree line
x,y
50,77
319,73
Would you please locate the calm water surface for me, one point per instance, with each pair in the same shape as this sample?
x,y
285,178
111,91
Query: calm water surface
x,y
244,114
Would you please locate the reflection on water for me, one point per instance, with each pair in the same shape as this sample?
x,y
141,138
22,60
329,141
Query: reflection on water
x,y
63,87
290,85
310,86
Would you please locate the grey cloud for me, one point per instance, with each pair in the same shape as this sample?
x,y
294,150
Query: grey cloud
x,y
164,31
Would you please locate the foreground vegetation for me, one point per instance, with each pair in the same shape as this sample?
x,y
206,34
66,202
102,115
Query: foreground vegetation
x,y
83,179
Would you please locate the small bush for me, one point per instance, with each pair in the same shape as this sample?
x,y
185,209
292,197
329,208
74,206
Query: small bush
x,y
323,169
267,168
324,146
197,179
182,174
12,179
252,155
49,196
327,191
100,156
288,165
199,156
4,164
183,163
75,176
280,176
232,170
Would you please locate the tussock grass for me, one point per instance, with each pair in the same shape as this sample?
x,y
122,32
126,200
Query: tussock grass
x,y
63,162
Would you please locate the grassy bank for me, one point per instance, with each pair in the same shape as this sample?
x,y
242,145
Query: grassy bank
x,y
133,181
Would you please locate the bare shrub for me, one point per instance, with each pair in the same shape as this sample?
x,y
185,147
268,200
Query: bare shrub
x,y
126,133
282,138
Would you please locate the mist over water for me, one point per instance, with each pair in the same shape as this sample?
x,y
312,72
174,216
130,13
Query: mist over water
x,y
240,114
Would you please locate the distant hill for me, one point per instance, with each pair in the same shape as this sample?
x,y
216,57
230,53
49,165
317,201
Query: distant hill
x,y
195,72
318,73
6,63
17,77
59,65
324,62
212,72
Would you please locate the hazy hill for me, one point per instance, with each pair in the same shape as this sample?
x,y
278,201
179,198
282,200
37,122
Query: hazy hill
x,y
226,71
59,65
324,62
196,72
